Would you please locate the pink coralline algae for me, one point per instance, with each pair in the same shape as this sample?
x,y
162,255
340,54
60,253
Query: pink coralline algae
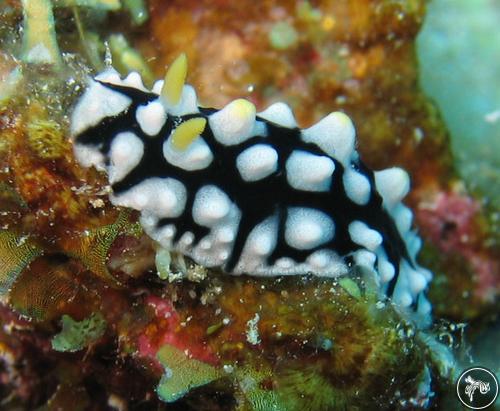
x,y
166,329
450,221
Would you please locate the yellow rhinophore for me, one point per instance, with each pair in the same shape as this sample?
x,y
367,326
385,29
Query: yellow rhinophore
x,y
184,135
174,81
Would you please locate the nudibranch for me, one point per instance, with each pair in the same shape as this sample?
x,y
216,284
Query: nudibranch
x,y
250,193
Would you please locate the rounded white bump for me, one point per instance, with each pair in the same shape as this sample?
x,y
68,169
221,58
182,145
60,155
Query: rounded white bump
x,y
364,258
97,103
88,156
164,197
403,217
205,244
309,172
134,80
125,154
188,103
417,282
169,231
403,299
386,271
187,238
356,186
196,156
110,75
393,184
413,243
210,206
335,135
157,86
257,162
225,235
262,239
363,235
284,263
234,123
319,259
279,113
224,255
306,228
424,306
151,117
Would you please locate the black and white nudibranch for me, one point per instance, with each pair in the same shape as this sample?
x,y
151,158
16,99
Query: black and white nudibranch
x,y
249,192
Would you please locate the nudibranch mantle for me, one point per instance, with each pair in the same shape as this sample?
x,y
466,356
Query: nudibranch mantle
x,y
249,192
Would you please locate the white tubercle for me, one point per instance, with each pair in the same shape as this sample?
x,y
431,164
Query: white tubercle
x,y
134,80
257,162
110,75
403,217
89,156
163,197
402,295
306,228
393,184
417,282
259,245
413,243
309,172
125,154
210,206
262,239
356,186
321,259
365,236
234,123
279,113
424,306
151,117
196,156
157,86
386,271
97,103
188,103
365,258
334,134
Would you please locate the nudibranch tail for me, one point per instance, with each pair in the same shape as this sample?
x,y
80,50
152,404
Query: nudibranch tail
x,y
249,192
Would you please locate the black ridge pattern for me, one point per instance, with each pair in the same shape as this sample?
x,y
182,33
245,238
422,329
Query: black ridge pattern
x,y
256,200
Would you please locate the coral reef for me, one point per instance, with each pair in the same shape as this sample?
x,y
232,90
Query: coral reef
x,y
95,316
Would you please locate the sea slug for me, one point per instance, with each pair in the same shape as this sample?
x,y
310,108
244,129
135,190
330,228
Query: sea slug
x,y
249,192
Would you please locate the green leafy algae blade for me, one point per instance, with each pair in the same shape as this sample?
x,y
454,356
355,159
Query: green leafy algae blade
x,y
76,335
182,373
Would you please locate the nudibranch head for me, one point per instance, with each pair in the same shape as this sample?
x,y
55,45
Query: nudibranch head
x,y
249,192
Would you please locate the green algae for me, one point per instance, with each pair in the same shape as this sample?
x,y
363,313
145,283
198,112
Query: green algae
x,y
251,387
182,373
350,287
76,335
